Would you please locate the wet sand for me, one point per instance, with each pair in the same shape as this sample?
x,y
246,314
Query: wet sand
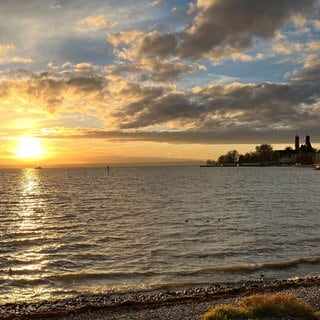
x,y
188,303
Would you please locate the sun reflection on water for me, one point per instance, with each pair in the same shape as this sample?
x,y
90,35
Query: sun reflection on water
x,y
31,201
28,260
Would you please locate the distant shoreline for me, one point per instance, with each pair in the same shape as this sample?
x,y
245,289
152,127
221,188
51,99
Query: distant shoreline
x,y
127,302
256,165
105,165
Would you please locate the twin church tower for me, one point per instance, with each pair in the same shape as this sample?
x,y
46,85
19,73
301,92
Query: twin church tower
x,y
307,147
301,154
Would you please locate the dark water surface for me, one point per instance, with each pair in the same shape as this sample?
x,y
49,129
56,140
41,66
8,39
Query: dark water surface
x,y
65,232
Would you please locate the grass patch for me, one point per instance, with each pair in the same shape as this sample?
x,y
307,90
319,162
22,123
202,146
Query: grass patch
x,y
262,306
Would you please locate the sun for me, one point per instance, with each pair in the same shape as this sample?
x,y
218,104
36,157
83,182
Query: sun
x,y
29,148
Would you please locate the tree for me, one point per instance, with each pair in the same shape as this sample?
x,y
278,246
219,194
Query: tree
x,y
231,157
264,153
248,158
210,162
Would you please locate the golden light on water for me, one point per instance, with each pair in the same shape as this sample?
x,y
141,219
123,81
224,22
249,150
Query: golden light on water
x,y
28,223
30,201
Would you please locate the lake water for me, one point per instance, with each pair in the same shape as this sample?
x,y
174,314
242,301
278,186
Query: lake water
x,y
64,232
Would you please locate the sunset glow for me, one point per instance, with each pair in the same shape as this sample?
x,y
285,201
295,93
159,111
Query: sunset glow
x,y
29,148
160,81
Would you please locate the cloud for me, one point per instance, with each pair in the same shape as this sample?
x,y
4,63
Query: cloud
x,y
155,3
55,6
240,135
155,69
236,107
94,23
219,30
314,46
151,67
163,70
316,24
50,92
7,55
309,79
233,23
222,29
130,88
5,48
118,109
21,60
125,37
287,47
158,112
157,44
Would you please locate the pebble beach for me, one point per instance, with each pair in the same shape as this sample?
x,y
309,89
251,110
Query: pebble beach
x,y
188,303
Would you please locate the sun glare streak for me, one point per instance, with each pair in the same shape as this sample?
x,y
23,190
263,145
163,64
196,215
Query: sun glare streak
x,y
29,148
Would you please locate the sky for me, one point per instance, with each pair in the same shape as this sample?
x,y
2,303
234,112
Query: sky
x,y
113,81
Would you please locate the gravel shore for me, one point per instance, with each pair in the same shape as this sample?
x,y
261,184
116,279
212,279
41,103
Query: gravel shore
x,y
186,304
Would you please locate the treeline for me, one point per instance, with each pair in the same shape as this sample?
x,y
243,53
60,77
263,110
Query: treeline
x,y
262,154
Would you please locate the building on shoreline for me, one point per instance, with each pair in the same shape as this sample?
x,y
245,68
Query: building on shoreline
x,y
316,159
303,154
264,155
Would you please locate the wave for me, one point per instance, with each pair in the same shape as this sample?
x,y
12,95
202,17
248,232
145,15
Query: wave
x,y
18,283
252,268
134,275
71,277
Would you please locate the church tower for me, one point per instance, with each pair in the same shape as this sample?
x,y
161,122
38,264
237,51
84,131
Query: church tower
x,y
296,143
308,144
